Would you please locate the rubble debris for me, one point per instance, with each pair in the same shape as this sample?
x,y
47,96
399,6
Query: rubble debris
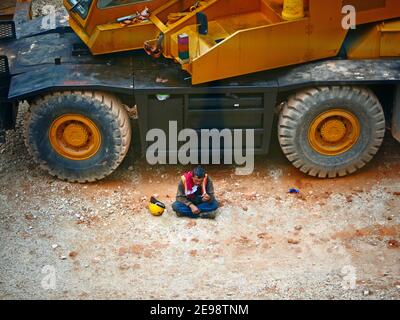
x,y
29,216
393,244
73,254
264,235
191,224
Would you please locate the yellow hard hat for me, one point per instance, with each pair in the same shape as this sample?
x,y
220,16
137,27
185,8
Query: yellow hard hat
x,y
156,207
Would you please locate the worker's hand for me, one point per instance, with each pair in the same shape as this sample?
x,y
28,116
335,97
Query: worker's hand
x,y
206,198
194,209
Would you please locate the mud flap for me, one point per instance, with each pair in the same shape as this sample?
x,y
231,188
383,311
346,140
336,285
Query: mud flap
x,y
396,115
7,112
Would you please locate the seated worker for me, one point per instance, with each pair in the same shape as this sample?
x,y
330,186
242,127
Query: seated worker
x,y
195,197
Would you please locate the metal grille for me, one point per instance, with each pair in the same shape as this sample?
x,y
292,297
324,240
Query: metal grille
x,y
4,78
4,69
7,30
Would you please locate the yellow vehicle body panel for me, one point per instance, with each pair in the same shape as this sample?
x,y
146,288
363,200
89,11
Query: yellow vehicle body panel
x,y
248,36
378,40
110,38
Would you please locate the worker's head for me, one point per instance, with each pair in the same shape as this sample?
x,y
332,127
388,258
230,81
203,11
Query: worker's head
x,y
198,175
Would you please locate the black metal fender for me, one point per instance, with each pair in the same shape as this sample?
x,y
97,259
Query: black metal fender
x,y
67,77
396,114
6,120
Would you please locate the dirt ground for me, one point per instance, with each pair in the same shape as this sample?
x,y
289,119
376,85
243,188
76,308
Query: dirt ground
x,y
101,241
337,239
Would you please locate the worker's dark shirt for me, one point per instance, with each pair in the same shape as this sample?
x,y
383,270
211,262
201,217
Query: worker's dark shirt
x,y
181,196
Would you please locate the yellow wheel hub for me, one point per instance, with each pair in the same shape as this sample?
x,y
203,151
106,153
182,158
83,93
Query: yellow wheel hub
x,y
75,137
334,132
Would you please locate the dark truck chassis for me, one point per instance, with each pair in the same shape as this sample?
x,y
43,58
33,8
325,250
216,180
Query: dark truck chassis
x,y
34,61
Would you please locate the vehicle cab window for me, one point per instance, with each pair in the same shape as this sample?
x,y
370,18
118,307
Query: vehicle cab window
x,y
81,7
102,4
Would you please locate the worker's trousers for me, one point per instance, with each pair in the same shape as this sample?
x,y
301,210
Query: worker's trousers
x,y
203,207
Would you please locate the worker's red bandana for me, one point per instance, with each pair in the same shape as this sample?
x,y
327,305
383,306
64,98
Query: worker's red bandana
x,y
190,187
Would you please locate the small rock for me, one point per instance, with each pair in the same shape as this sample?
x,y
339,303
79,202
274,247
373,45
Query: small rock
x,y
73,254
245,208
124,267
130,168
263,235
366,293
63,257
29,216
293,241
54,246
191,224
393,244
298,228
193,253
122,251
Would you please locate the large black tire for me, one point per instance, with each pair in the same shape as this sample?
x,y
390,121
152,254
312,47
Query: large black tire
x,y
299,113
103,109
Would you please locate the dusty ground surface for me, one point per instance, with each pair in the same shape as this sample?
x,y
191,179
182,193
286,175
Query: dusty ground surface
x,y
101,242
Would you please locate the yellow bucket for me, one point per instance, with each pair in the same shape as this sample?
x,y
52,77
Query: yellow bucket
x,y
293,9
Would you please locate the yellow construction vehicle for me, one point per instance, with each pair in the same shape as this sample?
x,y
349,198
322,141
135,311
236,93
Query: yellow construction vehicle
x,y
242,37
329,69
